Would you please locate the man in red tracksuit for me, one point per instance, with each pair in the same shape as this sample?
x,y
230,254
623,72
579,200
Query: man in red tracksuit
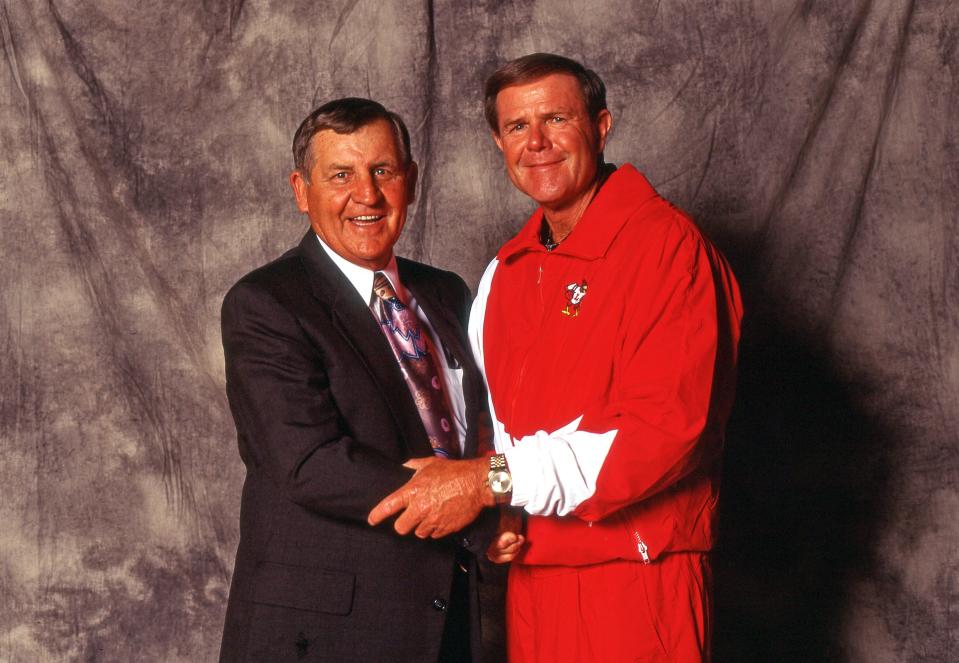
x,y
607,331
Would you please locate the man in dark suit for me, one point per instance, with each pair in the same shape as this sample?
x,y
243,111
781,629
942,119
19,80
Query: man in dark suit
x,y
343,363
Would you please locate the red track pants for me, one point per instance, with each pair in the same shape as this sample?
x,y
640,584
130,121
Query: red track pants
x,y
618,611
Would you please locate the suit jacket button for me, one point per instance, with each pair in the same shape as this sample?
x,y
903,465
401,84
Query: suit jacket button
x,y
439,604
465,542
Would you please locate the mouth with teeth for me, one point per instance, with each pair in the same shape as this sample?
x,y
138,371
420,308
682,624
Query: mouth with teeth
x,y
366,219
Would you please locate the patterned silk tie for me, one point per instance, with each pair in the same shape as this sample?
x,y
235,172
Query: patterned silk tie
x,y
412,348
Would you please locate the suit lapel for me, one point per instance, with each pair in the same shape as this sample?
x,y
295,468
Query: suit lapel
x,y
360,331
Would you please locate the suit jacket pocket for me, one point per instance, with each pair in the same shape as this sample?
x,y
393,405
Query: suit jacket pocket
x,y
304,588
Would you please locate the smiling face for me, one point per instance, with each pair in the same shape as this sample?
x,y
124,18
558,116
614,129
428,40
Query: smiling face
x,y
357,192
550,144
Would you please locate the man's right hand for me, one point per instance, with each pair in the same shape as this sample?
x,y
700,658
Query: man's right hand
x,y
441,498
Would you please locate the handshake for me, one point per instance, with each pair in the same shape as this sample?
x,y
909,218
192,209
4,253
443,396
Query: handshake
x,y
444,496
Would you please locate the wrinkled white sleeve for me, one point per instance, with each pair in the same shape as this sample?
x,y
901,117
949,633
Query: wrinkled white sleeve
x,y
553,473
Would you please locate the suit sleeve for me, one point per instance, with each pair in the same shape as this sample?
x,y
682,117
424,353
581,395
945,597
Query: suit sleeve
x,y
280,397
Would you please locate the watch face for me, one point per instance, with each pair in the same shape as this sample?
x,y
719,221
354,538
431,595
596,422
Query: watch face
x,y
500,482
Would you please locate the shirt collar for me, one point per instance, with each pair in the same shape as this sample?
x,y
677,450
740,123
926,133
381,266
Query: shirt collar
x,y
623,192
361,278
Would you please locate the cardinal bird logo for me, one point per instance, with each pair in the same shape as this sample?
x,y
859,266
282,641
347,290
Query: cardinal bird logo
x,y
574,295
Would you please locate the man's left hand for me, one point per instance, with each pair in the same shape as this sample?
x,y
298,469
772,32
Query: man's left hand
x,y
442,497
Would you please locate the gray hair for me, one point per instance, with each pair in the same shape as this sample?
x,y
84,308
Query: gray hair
x,y
344,116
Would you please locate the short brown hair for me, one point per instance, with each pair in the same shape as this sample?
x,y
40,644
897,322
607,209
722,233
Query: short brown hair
x,y
344,116
537,65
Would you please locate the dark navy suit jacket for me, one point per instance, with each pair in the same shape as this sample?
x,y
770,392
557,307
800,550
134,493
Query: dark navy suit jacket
x,y
324,421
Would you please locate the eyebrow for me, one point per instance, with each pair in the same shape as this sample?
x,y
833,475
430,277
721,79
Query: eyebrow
x,y
559,110
379,164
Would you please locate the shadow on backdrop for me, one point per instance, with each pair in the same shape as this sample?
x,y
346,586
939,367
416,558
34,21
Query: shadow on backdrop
x,y
803,484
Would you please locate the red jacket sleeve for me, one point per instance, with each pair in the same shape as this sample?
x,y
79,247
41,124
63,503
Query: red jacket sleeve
x,y
672,391
662,401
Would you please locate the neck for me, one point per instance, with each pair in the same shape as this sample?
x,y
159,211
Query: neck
x,y
561,219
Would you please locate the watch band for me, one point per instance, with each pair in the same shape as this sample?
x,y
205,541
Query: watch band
x,y
498,462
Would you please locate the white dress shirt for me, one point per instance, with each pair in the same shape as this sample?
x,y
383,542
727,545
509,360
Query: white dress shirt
x,y
362,280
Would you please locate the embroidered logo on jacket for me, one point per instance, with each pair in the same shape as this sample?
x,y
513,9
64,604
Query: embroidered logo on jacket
x,y
574,295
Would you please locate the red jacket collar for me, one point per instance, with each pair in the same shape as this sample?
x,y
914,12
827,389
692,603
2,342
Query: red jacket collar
x,y
624,192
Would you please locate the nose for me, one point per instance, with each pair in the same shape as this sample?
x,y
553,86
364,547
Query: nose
x,y
536,139
366,191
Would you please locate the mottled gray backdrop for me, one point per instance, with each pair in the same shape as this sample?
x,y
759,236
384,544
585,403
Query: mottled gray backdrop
x,y
145,149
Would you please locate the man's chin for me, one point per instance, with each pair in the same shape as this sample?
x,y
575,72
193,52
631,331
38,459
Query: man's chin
x,y
544,190
547,197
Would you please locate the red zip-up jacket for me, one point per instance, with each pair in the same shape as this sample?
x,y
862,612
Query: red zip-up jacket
x,y
610,363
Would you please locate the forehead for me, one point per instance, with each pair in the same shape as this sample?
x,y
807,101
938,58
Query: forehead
x,y
375,142
553,90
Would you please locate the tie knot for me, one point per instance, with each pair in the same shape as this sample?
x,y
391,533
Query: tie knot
x,y
382,287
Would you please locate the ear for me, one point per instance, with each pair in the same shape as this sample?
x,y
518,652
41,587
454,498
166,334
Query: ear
x,y
604,122
497,140
300,188
412,173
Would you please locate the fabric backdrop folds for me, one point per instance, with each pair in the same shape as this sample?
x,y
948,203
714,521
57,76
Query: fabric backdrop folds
x,y
146,148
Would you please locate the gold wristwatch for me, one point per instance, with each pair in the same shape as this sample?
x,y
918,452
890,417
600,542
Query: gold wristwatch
x,y
499,479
